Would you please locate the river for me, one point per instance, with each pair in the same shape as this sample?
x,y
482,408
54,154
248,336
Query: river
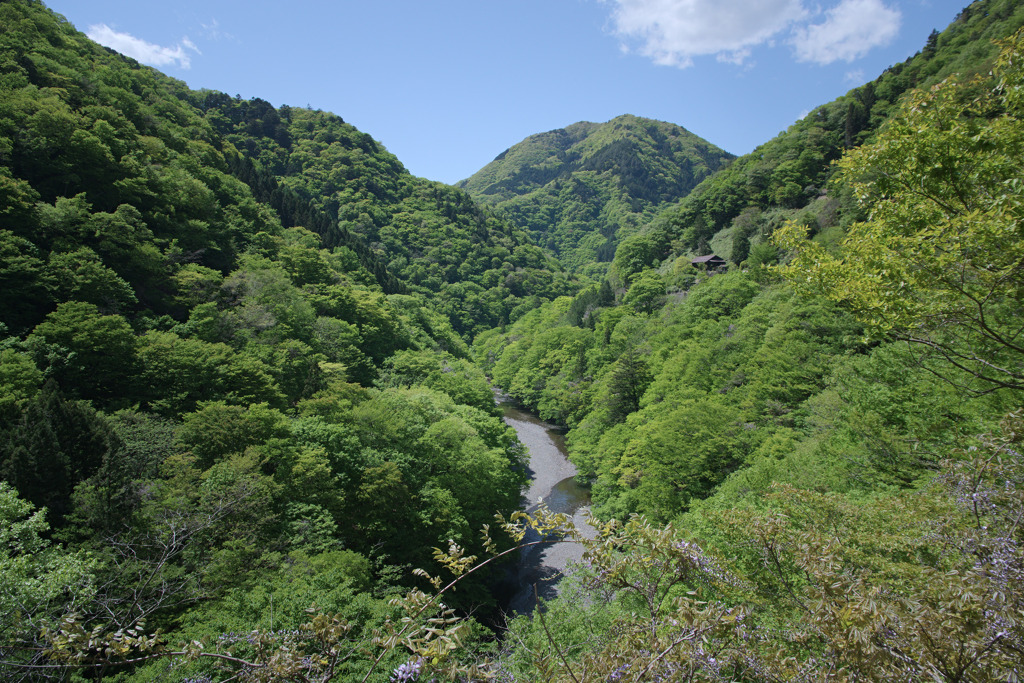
x,y
540,567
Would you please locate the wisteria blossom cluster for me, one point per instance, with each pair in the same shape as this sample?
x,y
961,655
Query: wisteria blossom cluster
x,y
409,671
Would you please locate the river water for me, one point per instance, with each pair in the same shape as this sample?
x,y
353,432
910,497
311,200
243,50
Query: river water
x,y
540,567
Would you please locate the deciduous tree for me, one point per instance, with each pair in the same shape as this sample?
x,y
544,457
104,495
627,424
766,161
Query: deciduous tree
x,y
940,260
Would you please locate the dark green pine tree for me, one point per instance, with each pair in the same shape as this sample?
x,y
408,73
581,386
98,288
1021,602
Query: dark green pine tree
x,y
54,446
629,381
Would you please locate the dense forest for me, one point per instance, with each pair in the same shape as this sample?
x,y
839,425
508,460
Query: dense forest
x,y
248,430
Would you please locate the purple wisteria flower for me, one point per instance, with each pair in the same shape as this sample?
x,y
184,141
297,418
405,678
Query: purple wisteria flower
x,y
409,671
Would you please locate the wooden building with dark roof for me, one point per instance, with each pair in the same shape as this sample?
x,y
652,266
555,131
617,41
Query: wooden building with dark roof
x,y
709,262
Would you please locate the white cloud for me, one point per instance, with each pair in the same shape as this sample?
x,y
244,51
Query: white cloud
x,y
849,31
673,32
136,48
737,57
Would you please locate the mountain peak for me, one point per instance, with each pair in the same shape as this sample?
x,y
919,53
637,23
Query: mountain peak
x,y
577,188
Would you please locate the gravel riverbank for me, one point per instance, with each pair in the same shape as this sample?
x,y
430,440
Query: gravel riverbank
x,y
541,567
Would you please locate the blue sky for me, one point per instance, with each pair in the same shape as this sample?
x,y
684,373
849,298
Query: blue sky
x,y
448,85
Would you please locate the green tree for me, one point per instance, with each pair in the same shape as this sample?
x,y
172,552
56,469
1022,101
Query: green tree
x,y
217,429
177,373
53,446
762,254
646,292
81,276
677,457
196,285
41,582
23,281
99,352
938,262
629,380
340,342
457,377
20,379
109,501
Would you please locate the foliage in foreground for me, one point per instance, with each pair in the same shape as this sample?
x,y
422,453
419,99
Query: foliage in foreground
x,y
924,584
920,585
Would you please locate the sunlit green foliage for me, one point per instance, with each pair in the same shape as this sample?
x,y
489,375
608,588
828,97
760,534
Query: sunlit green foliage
x,y
41,581
664,405
919,584
415,235
922,583
229,309
461,380
937,261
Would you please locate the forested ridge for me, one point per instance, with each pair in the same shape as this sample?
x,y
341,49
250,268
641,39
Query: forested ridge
x,y
429,237
581,189
247,429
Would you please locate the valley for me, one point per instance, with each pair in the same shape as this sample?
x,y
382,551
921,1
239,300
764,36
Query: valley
x,y
248,365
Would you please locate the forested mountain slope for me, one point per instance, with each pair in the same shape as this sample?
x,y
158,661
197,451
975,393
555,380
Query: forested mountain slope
x,y
432,238
788,177
222,373
672,378
581,189
82,123
621,357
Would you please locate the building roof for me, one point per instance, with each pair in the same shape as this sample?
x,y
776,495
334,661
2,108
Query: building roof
x,y
710,258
